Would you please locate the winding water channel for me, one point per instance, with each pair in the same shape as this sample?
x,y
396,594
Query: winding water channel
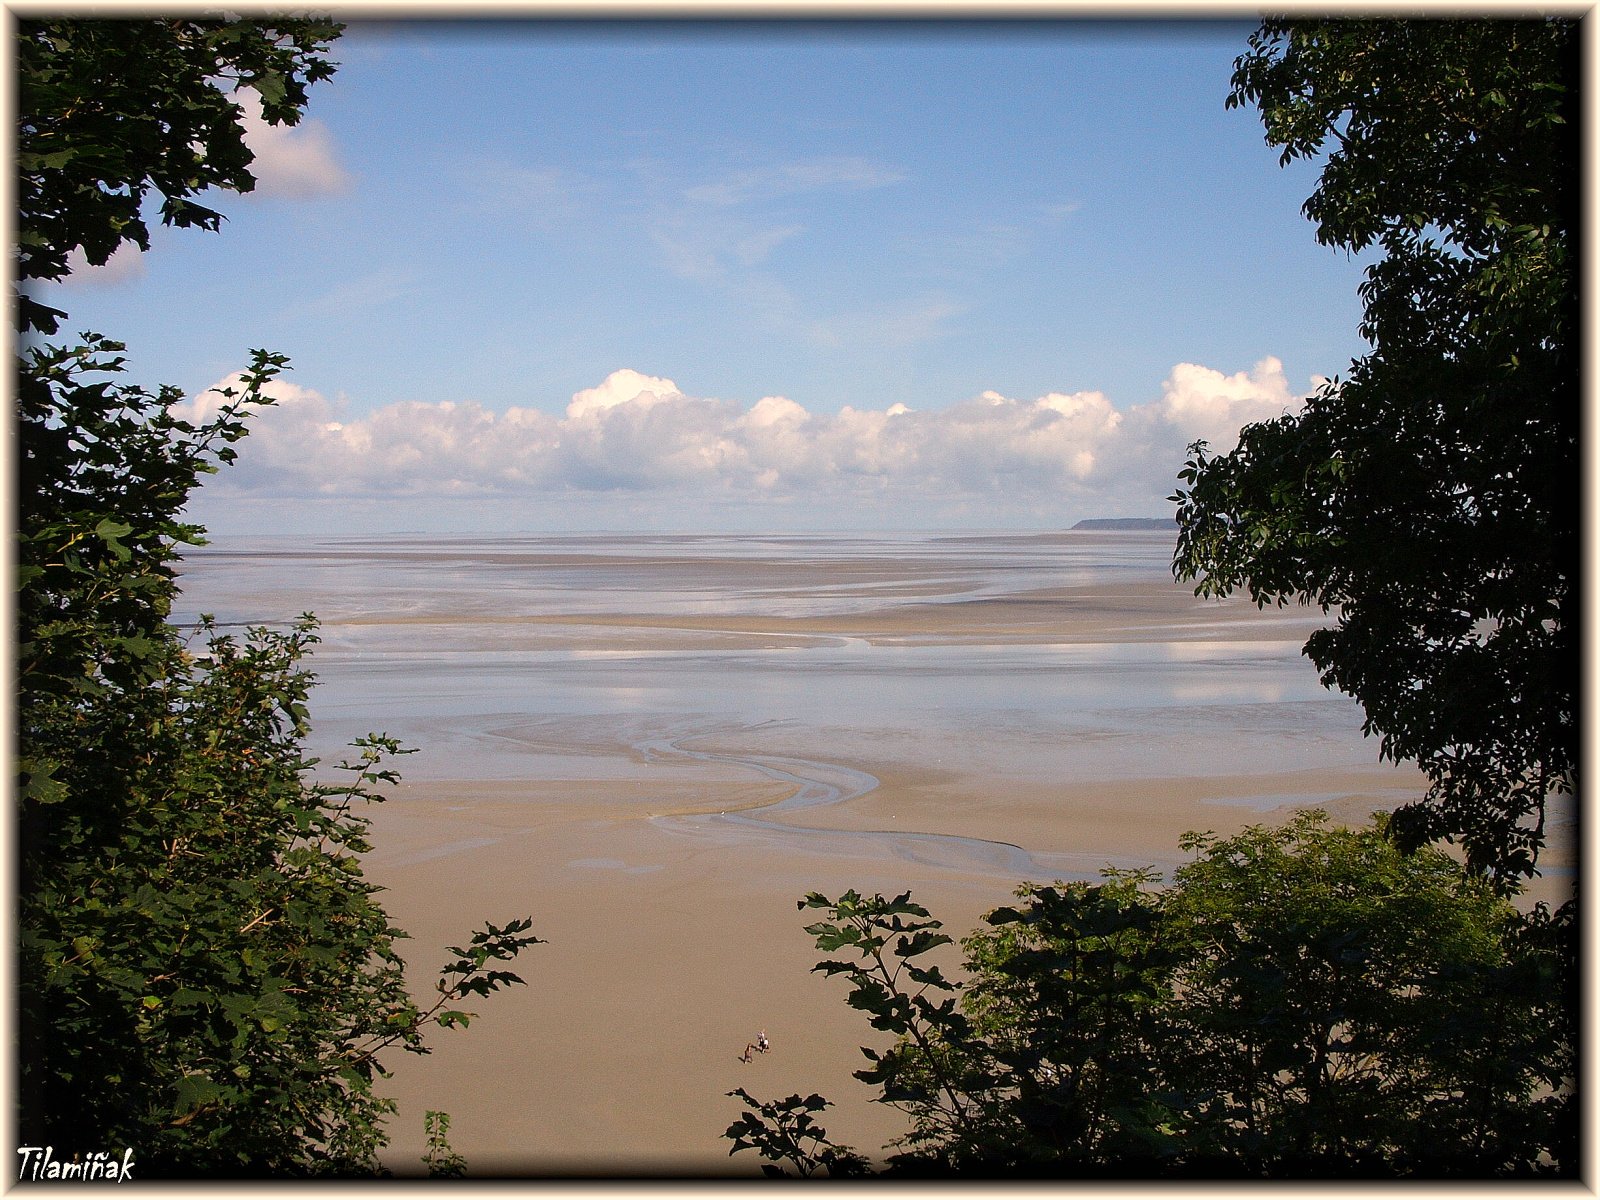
x,y
819,785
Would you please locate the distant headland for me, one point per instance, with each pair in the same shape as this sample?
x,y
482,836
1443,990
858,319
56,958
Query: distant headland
x,y
1124,524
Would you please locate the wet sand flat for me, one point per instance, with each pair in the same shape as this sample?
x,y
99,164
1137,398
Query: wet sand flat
x,y
655,746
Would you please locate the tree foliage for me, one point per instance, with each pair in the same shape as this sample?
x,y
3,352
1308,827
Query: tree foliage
x,y
1303,1001
110,111
1430,499
204,975
441,1159
785,1131
1346,1007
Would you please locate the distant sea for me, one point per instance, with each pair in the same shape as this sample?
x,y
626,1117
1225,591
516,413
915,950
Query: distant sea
x,y
497,655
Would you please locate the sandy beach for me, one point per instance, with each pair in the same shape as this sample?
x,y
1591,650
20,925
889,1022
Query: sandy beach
x,y
656,751
668,952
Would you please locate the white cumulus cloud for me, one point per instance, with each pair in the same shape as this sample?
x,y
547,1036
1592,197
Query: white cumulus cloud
x,y
1204,403
638,435
290,160
621,387
125,264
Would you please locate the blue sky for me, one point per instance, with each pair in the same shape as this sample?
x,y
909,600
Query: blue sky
x,y
807,276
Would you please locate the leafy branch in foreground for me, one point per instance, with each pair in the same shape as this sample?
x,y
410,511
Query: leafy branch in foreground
x,y
924,1026
1301,1001
440,1158
784,1131
465,976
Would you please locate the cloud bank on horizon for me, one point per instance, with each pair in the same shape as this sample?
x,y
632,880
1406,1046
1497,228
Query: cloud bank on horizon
x,y
638,438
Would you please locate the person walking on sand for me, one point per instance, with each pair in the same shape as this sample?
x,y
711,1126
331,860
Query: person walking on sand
x,y
762,1045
